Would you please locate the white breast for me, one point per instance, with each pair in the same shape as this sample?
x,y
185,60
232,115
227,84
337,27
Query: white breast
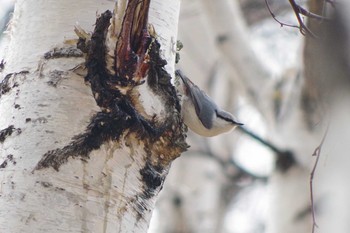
x,y
192,121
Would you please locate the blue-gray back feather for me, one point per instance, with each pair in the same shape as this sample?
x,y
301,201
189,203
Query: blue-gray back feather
x,y
204,106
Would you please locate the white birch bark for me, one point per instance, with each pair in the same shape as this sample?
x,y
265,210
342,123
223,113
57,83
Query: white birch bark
x,y
45,103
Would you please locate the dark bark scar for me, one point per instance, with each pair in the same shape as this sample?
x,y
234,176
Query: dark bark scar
x,y
103,127
64,52
9,158
137,62
7,84
8,132
153,178
2,65
3,164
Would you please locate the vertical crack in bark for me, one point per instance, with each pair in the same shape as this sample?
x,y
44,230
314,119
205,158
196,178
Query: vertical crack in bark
x,y
133,42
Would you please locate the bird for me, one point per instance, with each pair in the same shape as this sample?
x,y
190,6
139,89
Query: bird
x,y
200,113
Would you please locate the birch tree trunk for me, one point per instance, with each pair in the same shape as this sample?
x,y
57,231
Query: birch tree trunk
x,y
87,155
323,101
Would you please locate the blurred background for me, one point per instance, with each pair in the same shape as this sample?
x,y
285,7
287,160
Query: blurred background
x,y
286,88
237,53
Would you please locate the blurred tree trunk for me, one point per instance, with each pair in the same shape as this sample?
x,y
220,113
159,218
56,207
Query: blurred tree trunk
x,y
322,101
300,98
87,156
218,57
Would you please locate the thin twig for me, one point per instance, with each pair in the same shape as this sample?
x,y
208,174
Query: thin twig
x,y
316,153
261,140
298,11
302,27
309,14
275,18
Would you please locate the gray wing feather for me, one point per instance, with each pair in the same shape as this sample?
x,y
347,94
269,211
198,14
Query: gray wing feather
x,y
204,106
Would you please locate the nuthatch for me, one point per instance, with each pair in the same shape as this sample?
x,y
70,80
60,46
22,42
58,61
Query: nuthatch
x,y
201,114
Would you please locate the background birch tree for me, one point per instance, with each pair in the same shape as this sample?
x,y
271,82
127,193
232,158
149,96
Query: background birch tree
x,y
295,103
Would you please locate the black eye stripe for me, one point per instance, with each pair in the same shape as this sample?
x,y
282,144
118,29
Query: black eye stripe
x,y
227,119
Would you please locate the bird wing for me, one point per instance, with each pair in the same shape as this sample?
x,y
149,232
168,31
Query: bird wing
x,y
202,103
204,106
